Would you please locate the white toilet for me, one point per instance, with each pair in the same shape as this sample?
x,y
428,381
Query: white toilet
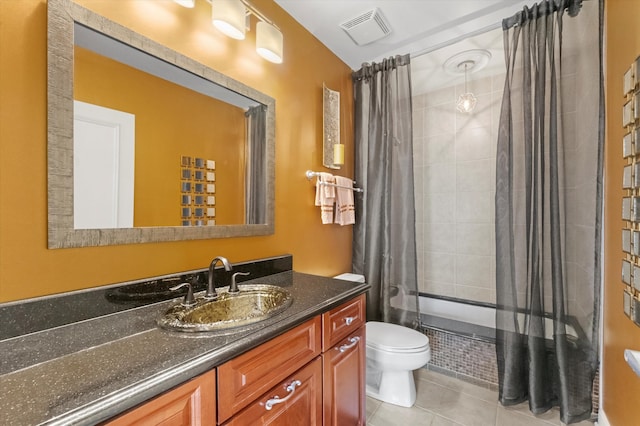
x,y
393,352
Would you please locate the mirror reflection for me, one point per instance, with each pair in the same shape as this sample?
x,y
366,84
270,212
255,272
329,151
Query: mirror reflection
x,y
135,118
146,144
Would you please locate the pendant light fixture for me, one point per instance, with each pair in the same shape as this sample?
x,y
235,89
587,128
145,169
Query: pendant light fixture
x,y
466,101
466,62
231,18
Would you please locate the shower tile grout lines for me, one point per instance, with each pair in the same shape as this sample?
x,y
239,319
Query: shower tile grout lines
x,y
447,401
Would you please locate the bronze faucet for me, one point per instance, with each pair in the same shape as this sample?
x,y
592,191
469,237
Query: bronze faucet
x,y
211,288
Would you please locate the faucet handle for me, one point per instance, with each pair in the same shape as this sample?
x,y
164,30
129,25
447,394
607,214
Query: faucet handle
x,y
195,280
189,300
233,288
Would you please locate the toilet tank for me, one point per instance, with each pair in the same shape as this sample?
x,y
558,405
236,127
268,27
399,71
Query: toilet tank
x,y
357,278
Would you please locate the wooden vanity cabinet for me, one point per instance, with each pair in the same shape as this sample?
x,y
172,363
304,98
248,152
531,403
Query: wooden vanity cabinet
x,y
311,375
344,363
190,404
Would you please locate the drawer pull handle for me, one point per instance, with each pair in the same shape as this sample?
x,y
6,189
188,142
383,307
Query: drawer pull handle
x,y
352,342
276,399
349,320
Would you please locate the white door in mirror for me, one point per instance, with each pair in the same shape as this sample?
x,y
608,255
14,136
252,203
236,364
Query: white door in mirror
x,y
103,167
633,359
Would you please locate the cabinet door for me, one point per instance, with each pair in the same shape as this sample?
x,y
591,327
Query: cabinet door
x,y
190,404
295,401
344,381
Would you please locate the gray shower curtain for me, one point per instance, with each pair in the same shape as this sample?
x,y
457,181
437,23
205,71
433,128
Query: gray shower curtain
x,y
548,209
256,166
384,245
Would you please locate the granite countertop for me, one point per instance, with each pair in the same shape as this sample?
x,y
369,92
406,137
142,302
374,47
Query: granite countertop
x,y
90,371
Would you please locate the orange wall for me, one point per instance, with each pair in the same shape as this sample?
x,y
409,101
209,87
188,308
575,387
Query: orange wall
x,y
171,121
621,388
28,268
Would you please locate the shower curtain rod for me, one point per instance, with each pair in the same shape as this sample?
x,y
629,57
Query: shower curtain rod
x,y
460,38
572,6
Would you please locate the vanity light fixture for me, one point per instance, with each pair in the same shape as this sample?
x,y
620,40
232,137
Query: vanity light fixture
x,y
231,18
466,101
186,3
269,42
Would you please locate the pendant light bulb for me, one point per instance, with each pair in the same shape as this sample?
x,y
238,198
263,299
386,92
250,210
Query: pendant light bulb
x,y
467,101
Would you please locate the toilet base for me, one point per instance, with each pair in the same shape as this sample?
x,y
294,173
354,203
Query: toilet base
x,y
394,387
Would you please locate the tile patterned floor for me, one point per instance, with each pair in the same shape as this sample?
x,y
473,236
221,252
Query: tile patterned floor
x,y
446,401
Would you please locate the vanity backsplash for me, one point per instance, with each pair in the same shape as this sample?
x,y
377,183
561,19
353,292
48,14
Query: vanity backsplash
x,y
43,313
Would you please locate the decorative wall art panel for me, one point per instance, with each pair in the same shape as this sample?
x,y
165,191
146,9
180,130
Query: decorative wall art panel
x,y
331,128
631,198
196,175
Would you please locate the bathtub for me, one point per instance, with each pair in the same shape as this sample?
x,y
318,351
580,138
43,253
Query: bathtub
x,y
470,315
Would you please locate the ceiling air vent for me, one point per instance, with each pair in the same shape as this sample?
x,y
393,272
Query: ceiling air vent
x,y
367,27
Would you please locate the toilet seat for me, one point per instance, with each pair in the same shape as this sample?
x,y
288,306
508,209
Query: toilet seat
x,y
395,338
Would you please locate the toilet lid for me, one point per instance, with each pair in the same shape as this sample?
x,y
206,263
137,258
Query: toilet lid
x,y
395,337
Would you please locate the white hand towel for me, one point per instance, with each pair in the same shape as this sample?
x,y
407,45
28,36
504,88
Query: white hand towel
x,y
325,197
345,209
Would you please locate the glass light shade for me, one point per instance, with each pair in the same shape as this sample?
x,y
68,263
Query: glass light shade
x,y
338,154
186,3
230,17
269,42
466,102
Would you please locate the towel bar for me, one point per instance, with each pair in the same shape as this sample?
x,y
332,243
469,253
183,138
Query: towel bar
x,y
309,174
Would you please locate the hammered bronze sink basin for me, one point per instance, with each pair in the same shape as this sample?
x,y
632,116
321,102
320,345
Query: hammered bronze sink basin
x,y
230,311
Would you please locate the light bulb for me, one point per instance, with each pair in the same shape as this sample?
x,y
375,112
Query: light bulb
x,y
338,154
466,102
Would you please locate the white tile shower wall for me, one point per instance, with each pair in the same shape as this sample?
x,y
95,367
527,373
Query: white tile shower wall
x,y
579,82
454,167
581,130
455,177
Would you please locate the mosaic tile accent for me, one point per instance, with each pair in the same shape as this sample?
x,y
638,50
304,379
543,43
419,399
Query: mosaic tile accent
x,y
473,361
468,359
595,394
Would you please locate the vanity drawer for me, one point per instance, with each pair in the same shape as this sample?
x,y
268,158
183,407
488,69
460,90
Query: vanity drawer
x,y
295,401
250,375
342,321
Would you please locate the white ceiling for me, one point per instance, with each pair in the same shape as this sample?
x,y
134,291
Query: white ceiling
x,y
418,27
